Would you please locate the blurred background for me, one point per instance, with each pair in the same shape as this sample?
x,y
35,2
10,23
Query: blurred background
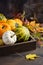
x,y
32,8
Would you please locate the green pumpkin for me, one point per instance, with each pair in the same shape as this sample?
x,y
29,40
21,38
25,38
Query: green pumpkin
x,y
22,33
2,18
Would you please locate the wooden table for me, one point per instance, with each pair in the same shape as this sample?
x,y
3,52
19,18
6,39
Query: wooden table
x,y
19,58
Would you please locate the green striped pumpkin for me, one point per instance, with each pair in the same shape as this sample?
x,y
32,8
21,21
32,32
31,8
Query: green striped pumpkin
x,y
22,33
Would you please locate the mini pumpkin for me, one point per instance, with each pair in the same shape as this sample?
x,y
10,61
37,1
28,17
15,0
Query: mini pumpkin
x,y
2,18
18,21
3,28
14,23
1,42
9,38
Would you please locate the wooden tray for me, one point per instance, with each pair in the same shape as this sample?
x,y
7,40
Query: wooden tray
x,y
18,47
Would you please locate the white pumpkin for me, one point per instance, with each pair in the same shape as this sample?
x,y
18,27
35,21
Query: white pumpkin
x,y
9,38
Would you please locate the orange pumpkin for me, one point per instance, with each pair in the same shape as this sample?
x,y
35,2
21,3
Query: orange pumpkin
x,y
3,28
14,22
18,21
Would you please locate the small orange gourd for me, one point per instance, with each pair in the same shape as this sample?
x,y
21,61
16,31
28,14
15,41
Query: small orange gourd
x,y
18,21
3,28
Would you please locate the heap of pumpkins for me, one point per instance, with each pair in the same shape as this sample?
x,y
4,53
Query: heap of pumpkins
x,y
12,31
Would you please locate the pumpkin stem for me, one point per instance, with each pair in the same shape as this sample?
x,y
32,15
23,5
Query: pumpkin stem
x,y
12,35
17,25
3,27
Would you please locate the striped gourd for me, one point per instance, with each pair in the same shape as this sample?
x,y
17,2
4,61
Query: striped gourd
x,y
22,33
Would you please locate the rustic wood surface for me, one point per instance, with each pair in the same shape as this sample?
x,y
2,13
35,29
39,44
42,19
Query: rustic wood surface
x,y
19,58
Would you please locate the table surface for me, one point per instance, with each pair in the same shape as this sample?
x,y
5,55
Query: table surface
x,y
19,58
